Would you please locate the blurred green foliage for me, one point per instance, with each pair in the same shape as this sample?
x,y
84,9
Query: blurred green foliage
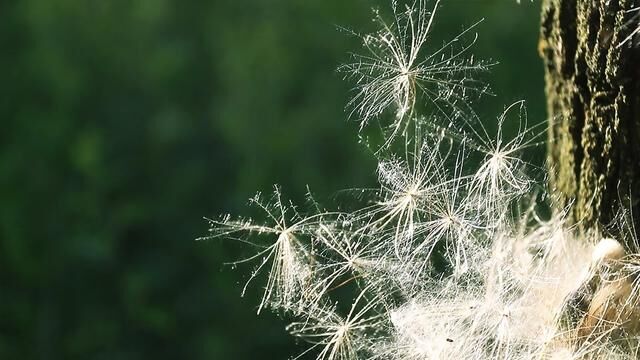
x,y
125,122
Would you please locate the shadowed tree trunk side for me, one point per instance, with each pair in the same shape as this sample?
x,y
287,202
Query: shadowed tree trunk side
x,y
593,103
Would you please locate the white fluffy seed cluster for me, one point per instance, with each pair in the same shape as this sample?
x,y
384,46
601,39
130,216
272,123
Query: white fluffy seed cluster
x,y
448,258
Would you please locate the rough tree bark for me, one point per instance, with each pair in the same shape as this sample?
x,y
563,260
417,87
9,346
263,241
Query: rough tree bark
x,y
593,103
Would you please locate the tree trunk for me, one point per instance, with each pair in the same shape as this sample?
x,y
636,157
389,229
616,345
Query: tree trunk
x,y
593,102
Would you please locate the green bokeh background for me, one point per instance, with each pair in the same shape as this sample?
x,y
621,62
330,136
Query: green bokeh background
x,y
125,122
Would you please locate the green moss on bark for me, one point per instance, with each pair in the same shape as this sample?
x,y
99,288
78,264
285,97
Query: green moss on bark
x,y
593,88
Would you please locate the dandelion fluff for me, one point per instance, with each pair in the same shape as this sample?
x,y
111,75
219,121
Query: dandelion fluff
x,y
449,258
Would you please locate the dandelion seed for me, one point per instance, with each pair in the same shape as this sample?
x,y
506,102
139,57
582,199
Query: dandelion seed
x,y
449,220
291,262
347,257
398,68
500,177
338,337
406,187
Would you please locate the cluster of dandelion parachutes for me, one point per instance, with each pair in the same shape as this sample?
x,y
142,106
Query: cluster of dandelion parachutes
x,y
449,257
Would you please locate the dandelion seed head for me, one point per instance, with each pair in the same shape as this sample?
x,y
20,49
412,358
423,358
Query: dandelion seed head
x,y
447,258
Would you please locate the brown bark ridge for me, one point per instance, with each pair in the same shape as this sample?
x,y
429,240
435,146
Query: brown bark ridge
x,y
593,103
